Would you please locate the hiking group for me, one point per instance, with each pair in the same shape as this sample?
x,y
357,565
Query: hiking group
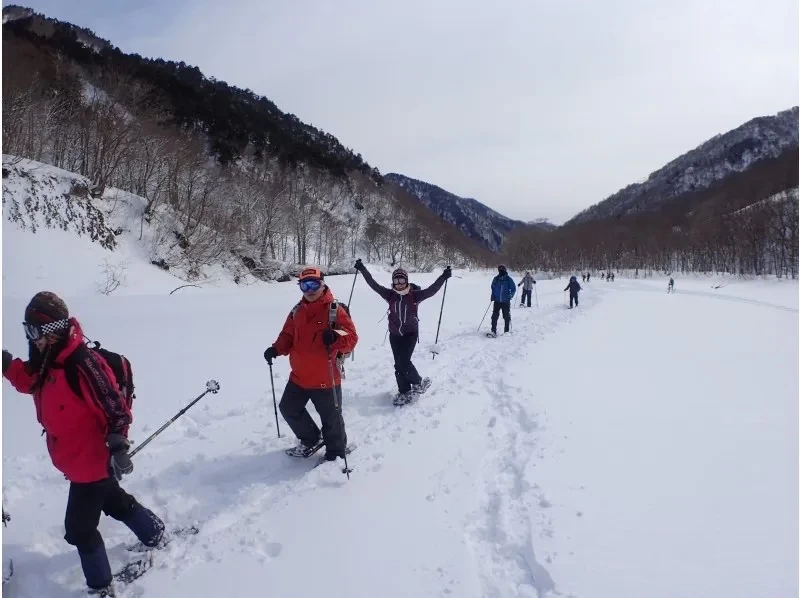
x,y
84,395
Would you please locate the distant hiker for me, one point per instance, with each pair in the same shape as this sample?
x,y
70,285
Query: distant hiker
x,y
314,332
86,432
503,289
602,276
403,299
671,286
583,277
574,287
588,277
527,283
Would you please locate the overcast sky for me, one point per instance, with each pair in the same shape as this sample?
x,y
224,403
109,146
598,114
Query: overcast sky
x,y
537,108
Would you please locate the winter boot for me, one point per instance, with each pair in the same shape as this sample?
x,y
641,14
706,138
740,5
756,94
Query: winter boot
x,y
106,592
96,569
146,525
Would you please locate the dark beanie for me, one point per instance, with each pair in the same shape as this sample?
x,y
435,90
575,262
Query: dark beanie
x,y
46,307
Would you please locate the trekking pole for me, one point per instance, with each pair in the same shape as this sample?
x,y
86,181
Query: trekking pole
x,y
536,292
441,310
274,402
338,407
349,301
352,288
484,315
212,386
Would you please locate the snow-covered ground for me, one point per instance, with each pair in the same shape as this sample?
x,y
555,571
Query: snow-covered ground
x,y
642,445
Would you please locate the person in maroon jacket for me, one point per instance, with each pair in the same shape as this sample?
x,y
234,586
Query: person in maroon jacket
x,y
86,433
403,299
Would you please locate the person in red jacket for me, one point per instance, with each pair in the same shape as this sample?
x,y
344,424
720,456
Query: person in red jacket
x,y
312,343
86,433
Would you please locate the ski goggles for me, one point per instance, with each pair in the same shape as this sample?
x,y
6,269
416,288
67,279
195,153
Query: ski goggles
x,y
36,331
309,285
400,280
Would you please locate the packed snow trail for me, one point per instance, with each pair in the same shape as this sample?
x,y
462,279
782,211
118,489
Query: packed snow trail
x,y
538,464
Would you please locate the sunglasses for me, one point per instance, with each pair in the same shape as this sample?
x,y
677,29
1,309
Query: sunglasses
x,y
310,285
34,331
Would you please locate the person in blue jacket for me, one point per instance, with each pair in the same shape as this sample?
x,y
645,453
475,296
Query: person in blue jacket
x,y
503,289
573,286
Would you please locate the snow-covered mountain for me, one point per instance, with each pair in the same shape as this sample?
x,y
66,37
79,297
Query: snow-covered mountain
x,y
474,219
736,151
13,12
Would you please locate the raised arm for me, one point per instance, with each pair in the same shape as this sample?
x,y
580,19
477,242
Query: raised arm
x,y
382,291
423,294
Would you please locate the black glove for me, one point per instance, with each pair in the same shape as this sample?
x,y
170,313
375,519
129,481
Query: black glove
x,y
329,337
534,282
7,359
120,463
270,354
447,273
359,266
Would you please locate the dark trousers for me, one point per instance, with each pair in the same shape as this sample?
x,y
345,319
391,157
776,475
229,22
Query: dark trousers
x,y
84,505
528,295
505,307
293,408
404,371
573,297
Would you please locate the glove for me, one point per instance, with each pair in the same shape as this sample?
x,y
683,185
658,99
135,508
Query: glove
x,y
534,282
120,463
7,359
270,354
447,273
329,337
359,266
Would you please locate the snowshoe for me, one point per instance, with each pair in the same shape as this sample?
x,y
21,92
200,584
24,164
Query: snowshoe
x,y
166,538
143,562
301,451
416,390
134,569
492,334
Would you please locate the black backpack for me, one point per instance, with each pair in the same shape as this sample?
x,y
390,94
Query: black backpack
x,y
118,363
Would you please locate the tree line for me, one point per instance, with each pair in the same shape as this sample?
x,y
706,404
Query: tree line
x,y
260,208
746,224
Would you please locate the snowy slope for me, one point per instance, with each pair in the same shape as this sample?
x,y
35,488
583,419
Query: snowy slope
x,y
643,444
721,156
473,218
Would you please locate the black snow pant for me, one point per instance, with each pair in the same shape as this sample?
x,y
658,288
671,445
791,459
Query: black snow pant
x,y
505,306
293,408
404,371
528,295
573,297
85,503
